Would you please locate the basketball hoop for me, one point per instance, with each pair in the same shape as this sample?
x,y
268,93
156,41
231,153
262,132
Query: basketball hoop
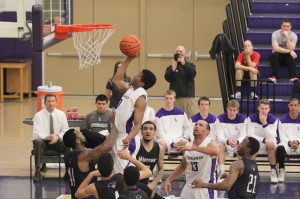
x,y
88,40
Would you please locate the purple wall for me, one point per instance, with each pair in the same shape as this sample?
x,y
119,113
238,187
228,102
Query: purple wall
x,y
15,47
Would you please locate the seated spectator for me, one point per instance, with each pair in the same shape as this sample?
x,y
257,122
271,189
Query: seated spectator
x,y
289,135
262,126
49,126
111,92
284,43
204,105
247,64
172,124
96,124
100,188
82,160
231,130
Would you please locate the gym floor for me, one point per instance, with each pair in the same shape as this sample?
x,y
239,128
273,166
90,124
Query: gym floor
x,y
15,147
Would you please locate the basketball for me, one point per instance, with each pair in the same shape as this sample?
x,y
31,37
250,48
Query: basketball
x,y
130,45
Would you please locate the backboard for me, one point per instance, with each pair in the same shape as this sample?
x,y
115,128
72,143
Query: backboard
x,y
45,15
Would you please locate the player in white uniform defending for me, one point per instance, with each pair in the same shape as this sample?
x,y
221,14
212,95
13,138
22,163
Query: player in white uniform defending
x,y
199,161
289,134
231,130
130,111
262,126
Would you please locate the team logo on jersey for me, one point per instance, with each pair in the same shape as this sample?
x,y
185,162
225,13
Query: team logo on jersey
x,y
138,197
253,167
112,184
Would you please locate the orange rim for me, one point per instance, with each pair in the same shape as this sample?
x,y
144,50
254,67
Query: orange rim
x,y
62,31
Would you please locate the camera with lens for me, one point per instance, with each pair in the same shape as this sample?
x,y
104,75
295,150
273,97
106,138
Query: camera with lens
x,y
176,56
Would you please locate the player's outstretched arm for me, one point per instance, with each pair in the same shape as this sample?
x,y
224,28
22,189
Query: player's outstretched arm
x,y
235,170
160,168
145,172
139,110
86,189
118,78
212,149
94,154
180,169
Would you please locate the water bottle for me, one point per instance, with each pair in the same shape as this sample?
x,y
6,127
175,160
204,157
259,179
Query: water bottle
x,y
49,84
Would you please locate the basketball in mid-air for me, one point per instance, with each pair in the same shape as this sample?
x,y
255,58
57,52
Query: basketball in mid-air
x,y
130,45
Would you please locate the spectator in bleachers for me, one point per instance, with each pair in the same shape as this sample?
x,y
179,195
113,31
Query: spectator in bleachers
x,y
172,124
247,64
112,93
96,124
284,43
181,76
49,126
289,134
262,126
231,130
204,114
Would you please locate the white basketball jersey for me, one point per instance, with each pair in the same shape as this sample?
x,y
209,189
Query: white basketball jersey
x,y
199,165
125,111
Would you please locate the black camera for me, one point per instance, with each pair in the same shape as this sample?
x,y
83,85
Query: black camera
x,y
176,56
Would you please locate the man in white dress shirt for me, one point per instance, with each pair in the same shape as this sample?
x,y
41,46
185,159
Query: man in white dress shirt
x,y
49,126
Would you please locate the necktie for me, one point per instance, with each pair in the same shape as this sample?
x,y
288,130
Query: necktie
x,y
51,125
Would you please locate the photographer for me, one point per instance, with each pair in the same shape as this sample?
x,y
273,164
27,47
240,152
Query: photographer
x,y
181,74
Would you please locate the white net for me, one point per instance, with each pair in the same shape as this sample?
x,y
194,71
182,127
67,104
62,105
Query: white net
x,y
89,44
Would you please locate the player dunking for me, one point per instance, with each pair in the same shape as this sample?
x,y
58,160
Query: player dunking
x,y
199,161
130,111
243,179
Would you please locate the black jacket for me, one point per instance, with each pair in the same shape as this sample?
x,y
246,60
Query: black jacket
x,y
221,43
182,79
